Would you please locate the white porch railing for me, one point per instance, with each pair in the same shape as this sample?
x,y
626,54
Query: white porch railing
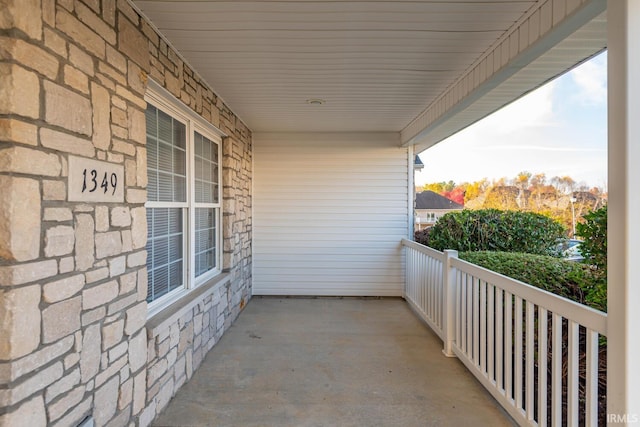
x,y
537,353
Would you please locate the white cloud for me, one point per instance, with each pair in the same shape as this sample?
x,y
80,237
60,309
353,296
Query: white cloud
x,y
591,79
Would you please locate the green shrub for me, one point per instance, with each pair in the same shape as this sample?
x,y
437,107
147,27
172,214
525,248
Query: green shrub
x,y
571,280
594,233
495,230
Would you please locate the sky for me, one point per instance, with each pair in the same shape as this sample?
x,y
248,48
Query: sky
x,y
560,129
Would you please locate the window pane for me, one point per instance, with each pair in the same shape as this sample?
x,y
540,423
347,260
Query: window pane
x,y
206,173
205,240
166,157
165,251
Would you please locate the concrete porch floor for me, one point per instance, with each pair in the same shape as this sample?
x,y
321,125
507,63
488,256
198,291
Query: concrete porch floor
x,y
331,362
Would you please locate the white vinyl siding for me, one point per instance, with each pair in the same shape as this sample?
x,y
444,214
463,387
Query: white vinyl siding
x,y
329,213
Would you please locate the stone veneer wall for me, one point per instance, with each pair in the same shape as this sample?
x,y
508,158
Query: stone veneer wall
x,y
74,336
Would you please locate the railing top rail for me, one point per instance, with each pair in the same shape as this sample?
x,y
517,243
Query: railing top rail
x,y
433,253
586,316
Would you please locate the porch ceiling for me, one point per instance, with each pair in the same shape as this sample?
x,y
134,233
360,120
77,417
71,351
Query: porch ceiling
x,y
377,64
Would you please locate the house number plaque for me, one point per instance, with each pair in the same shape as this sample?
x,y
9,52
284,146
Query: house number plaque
x,y
95,181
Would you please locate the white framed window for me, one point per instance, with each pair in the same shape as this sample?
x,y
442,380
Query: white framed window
x,y
184,244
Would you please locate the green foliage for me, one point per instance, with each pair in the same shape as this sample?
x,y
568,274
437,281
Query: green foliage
x,y
495,230
594,233
575,281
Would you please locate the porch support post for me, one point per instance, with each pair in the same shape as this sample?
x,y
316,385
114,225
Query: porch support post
x,y
623,327
449,303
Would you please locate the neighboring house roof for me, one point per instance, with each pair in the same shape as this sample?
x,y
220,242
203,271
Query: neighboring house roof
x,y
431,200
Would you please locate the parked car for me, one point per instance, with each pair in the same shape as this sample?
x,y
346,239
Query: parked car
x,y
569,249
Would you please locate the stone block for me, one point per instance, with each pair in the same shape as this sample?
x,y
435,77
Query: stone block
x,y
19,312
96,23
116,59
68,401
25,273
14,130
106,401
31,56
108,244
19,218
96,275
85,255
125,396
19,91
120,216
80,33
139,227
54,42
137,125
136,318
66,265
58,214
25,160
61,319
118,351
141,167
101,103
62,289
90,355
76,79
54,190
143,284
63,385
59,101
112,334
93,316
30,413
59,241
76,415
121,304
127,283
99,295
117,266
67,143
81,60
138,350
137,259
102,218
139,392
123,147
135,99
24,15
133,43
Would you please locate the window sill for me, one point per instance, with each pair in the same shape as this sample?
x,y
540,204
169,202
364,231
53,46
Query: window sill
x,y
161,320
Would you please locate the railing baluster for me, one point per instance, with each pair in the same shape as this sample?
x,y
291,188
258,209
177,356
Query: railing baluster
x,y
530,358
499,340
491,332
556,370
483,327
572,379
518,349
508,344
476,321
470,317
543,395
591,395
